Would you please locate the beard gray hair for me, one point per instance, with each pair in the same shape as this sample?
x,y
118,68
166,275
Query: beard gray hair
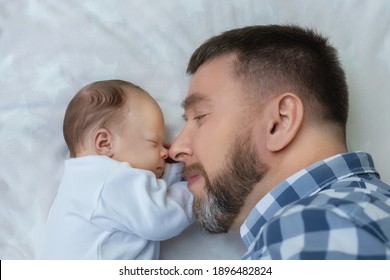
x,y
225,193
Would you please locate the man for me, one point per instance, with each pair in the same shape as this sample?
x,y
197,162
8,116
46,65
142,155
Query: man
x,y
265,150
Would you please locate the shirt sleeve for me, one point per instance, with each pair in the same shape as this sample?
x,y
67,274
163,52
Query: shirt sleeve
x,y
134,201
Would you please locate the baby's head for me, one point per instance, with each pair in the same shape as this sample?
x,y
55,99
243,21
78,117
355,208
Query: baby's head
x,y
117,119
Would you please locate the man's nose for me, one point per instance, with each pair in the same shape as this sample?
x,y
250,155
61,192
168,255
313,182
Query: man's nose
x,y
181,147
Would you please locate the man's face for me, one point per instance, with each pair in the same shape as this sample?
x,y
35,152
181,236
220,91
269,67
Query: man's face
x,y
225,192
222,162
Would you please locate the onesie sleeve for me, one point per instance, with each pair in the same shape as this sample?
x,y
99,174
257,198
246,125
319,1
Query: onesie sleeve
x,y
173,173
135,201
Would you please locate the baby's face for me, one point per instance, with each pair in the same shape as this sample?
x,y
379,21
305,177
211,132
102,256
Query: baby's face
x,y
139,139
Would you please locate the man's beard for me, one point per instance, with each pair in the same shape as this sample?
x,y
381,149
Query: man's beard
x,y
225,193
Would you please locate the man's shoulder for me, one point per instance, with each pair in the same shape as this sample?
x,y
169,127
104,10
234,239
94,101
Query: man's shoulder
x,y
365,209
347,198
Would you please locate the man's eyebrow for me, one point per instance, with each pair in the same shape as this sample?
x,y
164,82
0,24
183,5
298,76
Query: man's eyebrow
x,y
192,100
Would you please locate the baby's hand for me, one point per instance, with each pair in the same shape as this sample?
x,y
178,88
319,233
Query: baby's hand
x,y
168,159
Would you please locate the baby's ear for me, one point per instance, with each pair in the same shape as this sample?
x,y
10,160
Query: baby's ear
x,y
103,142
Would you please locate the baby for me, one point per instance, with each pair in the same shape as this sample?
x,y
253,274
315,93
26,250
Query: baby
x,y
111,203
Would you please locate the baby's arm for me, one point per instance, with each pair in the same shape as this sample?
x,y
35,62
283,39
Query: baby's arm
x,y
134,201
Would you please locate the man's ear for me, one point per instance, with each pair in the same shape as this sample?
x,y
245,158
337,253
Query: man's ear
x,y
103,142
285,117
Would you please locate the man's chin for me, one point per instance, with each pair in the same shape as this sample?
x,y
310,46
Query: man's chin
x,y
210,216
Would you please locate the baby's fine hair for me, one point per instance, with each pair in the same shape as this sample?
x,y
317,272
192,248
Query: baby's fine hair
x,y
95,106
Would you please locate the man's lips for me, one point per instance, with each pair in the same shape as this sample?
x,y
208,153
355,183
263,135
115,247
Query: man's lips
x,y
192,177
195,173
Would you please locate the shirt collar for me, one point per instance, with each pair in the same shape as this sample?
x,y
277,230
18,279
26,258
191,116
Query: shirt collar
x,y
302,184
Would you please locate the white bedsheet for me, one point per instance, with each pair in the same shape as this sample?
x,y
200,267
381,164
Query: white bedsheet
x,y
49,49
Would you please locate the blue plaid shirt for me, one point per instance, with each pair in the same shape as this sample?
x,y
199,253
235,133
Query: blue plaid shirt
x,y
335,209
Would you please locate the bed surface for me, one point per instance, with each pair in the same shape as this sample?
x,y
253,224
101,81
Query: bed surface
x,y
49,49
